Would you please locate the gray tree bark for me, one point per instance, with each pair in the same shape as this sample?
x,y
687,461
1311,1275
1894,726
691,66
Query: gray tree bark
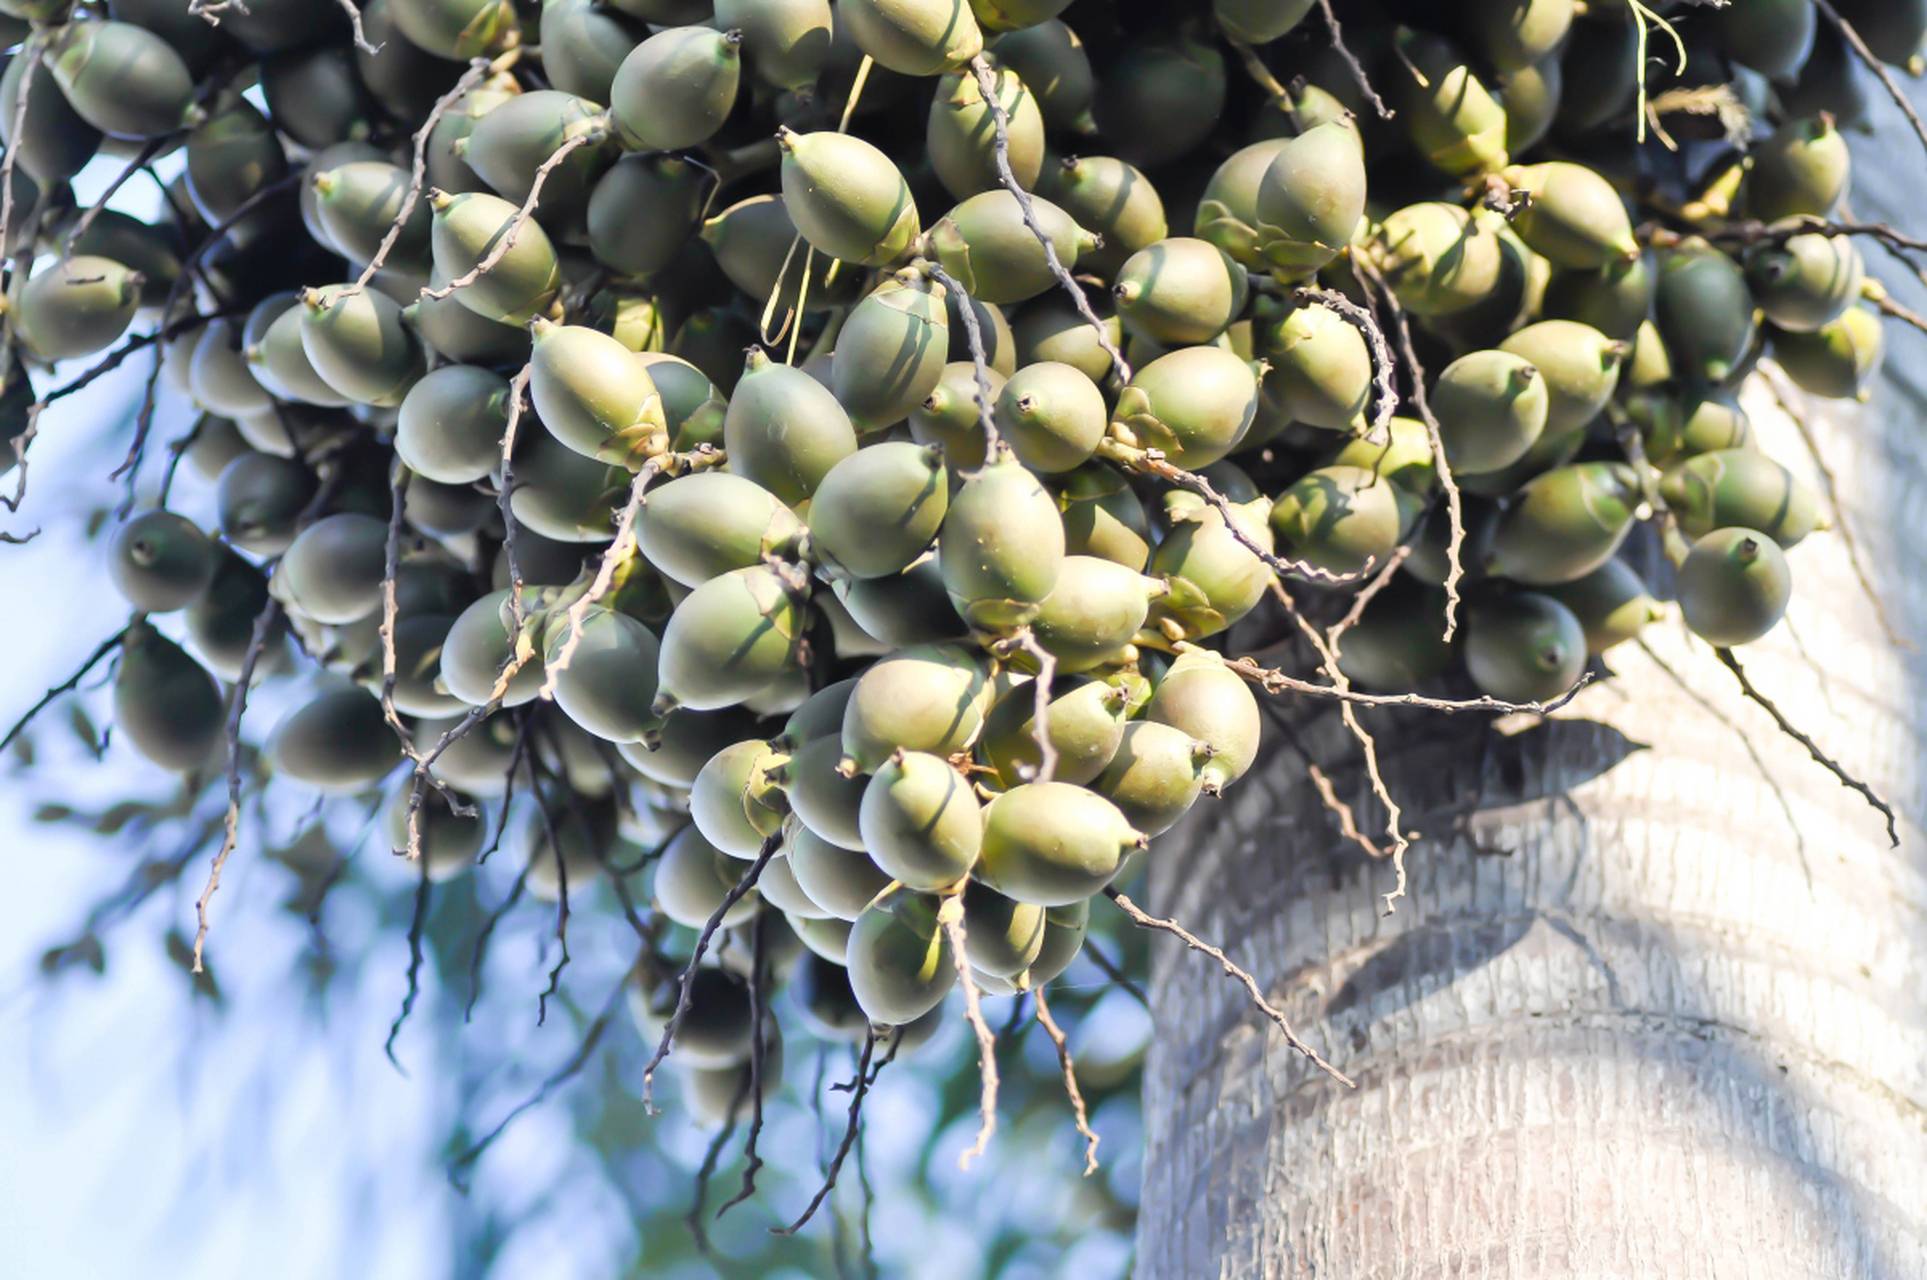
x,y
1654,1004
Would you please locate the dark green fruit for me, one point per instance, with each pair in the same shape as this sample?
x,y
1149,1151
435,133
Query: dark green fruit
x,y
1572,216
1180,291
1156,775
948,417
457,28
1340,519
1580,366
1524,647
820,716
675,89
823,799
1051,329
1566,523
1491,406
408,81
466,228
1741,487
879,509
909,609
1531,97
730,638
1321,370
447,169
1704,311
841,881
1000,348
1615,299
1001,938
76,306
1052,844
1259,21
1397,643
55,143
1830,81
1806,282
1437,258
699,526
735,799
280,360
1161,99
1611,603
453,330
120,78
716,1032
561,494
691,405
215,442
787,41
1734,586
1195,404
1093,613
1111,199
517,137
478,762
1052,416
752,240
451,423
920,821
1084,723
643,211
891,351
928,698
595,395
360,345
332,571
985,243
316,97
693,877
1803,169
164,703
685,743
784,430
1064,929
449,840
1684,425
961,137
914,37
1448,113
828,940
1104,517
418,661
1772,37
610,678
478,650
258,499
1893,29
191,35
847,198
161,561
1837,361
1214,577
1309,200
1001,546
152,250
582,46
899,957
1513,34
339,742
1051,61
232,155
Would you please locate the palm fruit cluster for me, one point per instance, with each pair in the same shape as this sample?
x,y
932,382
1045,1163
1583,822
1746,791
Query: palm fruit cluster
x,y
778,288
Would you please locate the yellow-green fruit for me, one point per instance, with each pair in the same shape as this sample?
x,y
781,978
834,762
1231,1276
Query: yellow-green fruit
x,y
1195,404
1156,775
847,198
1339,519
1805,282
1611,603
685,743
1704,311
1001,546
449,327
76,306
914,37
700,526
1103,517
828,940
879,509
675,89
899,957
280,360
751,242
1689,423
1572,216
823,799
1449,114
694,878
1321,369
1580,366
1051,416
1513,34
961,137
1309,201
928,698
1111,199
1001,937
1802,169
509,145
339,742
1205,699
1259,21
1083,723
1566,523
1051,329
1524,648
736,801
787,41
161,561
360,345
610,678
1734,586
1491,406
1052,843
691,405
1228,209
1741,487
1092,614
333,570
949,419
1398,641
1180,291
1837,361
582,46
820,715
447,169
1437,258
478,650
784,429
122,79
231,156
730,638
1051,61
164,703
1161,98
466,229
457,28
891,351
841,881
258,499
450,424
596,396
1531,97
1615,299
1215,578
986,245
920,821
777,884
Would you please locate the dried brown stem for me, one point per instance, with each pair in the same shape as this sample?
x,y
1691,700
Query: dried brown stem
x,y
1351,61
72,682
859,1085
758,1002
1277,682
361,36
1384,369
950,918
974,336
1057,1038
415,922
1347,820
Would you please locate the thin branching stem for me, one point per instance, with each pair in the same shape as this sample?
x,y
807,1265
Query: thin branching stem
x,y
1076,1095
950,919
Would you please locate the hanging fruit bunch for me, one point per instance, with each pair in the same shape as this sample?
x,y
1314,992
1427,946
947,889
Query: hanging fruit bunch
x,y
850,433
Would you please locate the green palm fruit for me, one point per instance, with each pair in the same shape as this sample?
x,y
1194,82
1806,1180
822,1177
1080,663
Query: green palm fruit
x,y
122,79
457,28
1180,291
1050,60
280,360
164,703
1014,15
76,306
1649,365
1064,929
1001,546
453,330
154,250
1838,360
356,204
1772,37
1611,603
1615,299
1321,370
1228,209
823,799
1309,201
449,840
948,417
408,81
465,230
1438,259
1093,613
1404,457
899,956
1084,724
1741,487
736,799
1214,577
676,88
214,442
1112,199
232,155
1397,642
610,678
1340,519
820,716
519,135
1205,699
828,940
821,987
582,46
751,241
1524,647
451,423
1704,311
1195,404
788,41
448,141
1829,82
643,211
778,887
729,638
477,651
55,143
1449,114
993,330
1566,523
418,643
1531,97
316,97
700,526
1515,34
717,1029
339,742
928,698
719,1097
879,509
1001,938
1601,71
1259,21
258,499
596,396
1156,775
161,561
1734,586
1682,425
190,34
784,429
847,198
693,878
1051,843
1492,407
691,405
841,881
1580,366
1161,99
359,344
561,494
961,137
920,821
1805,282
891,351
333,569
1104,518
1894,31
1051,329
914,37
985,243
220,621
684,743
1802,169
911,608
1571,216
1051,416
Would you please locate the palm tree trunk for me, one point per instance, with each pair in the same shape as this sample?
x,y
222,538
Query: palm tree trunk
x,y
1656,1004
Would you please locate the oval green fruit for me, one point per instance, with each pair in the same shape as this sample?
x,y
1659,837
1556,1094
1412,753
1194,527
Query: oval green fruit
x,y
596,396
1001,546
76,307
920,821
841,881
122,79
1321,369
1092,614
846,197
164,703
1161,98
339,742
1111,199
1180,291
1839,360
784,430
451,422
1704,311
928,698
891,351
961,136
1611,603
1195,404
914,37
675,89
1308,203
899,956
735,799
1084,722
1524,647
610,678
1805,282
694,879
1397,642
1572,216
949,418
1492,407
1566,523
1156,775
729,638
1051,416
161,561
1734,586
1741,487
1052,843
478,650
360,345
986,244
333,569
879,509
